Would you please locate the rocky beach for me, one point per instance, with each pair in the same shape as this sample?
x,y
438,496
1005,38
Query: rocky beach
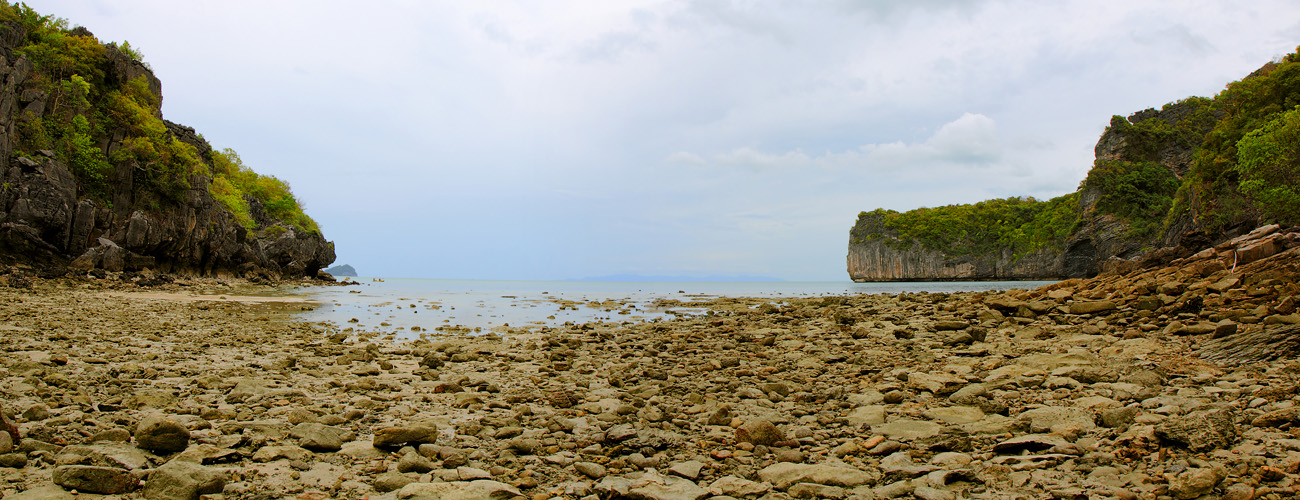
x,y
1176,380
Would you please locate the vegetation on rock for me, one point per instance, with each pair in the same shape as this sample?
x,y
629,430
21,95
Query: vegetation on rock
x,y
1224,163
84,105
1019,224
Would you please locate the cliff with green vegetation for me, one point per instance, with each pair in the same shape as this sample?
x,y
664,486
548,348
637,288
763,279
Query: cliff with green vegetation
x,y
95,178
1163,182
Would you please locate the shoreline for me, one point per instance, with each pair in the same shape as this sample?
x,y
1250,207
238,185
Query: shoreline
x,y
1075,387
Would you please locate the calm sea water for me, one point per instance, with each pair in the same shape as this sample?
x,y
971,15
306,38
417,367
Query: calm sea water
x,y
407,306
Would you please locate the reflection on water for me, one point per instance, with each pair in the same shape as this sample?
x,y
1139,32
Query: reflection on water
x,y
409,306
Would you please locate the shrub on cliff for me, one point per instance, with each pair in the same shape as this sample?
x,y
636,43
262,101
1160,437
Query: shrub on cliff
x,y
1268,160
1021,225
86,115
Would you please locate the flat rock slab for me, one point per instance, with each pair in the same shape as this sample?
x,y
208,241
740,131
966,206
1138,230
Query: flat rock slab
x,y
908,429
785,474
866,415
467,490
93,479
956,414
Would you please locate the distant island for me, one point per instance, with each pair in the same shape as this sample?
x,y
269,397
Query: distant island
x,y
639,277
342,270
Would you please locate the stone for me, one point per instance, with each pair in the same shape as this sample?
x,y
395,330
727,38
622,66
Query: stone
x,y
414,462
1200,431
111,454
1238,491
782,475
1194,483
652,486
928,493
43,493
483,489
937,383
908,429
391,481
901,464
1091,307
1030,442
160,434
271,453
948,325
317,437
737,487
866,415
1278,418
809,491
591,469
95,479
1043,419
412,434
1119,417
13,460
6,443
177,480
955,414
759,432
689,469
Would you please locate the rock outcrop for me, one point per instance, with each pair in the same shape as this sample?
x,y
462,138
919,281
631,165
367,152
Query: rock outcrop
x,y
1164,140
885,258
49,220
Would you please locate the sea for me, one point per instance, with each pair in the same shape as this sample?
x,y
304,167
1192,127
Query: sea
x,y
408,307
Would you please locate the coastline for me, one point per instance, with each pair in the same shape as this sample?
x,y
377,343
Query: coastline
x,y
1072,387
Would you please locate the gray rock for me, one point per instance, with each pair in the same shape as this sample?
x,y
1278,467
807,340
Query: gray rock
x,y
591,469
178,480
412,434
928,493
908,429
652,486
483,489
689,469
810,490
391,481
1194,483
414,462
1200,431
317,437
111,454
160,434
759,432
784,474
43,493
737,487
95,479
901,464
1044,419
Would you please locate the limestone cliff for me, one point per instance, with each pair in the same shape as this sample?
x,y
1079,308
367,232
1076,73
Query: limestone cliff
x,y
53,216
1164,183
876,253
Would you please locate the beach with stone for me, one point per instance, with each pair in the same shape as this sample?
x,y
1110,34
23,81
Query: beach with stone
x,y
1173,381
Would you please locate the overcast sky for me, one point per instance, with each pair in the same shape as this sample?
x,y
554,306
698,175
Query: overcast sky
x,y
568,139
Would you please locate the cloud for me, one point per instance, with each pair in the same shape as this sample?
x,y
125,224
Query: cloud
x,y
971,140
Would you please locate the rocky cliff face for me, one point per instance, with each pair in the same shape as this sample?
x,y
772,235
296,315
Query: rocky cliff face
x,y
1102,242
48,220
883,257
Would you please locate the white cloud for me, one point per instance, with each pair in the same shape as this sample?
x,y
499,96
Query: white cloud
x,y
582,137
971,139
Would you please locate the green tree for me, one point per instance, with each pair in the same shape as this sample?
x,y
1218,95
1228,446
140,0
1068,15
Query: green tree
x,y
1268,159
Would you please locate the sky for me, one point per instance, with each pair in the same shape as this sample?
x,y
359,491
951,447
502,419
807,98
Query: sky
x,y
530,140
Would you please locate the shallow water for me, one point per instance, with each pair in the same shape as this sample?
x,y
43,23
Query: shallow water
x,y
406,306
